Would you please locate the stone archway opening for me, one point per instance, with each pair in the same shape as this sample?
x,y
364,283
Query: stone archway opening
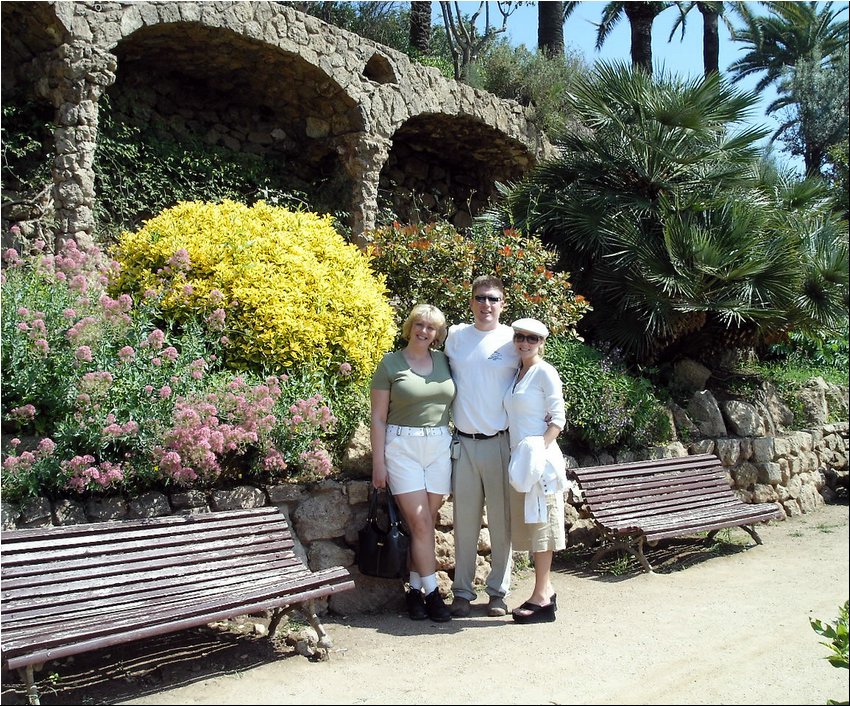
x,y
190,82
446,167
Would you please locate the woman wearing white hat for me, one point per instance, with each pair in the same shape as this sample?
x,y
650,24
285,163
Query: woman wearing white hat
x,y
535,407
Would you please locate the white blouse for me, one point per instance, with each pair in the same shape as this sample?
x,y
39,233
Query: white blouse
x,y
529,400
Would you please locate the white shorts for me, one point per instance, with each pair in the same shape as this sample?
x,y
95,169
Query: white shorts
x,y
419,458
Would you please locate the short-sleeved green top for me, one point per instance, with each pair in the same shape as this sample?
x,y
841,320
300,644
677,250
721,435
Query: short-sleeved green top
x,y
416,400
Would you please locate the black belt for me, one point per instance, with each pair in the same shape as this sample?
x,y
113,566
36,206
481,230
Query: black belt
x,y
480,436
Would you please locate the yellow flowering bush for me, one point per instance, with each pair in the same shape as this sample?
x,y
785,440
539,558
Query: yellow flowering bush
x,y
285,289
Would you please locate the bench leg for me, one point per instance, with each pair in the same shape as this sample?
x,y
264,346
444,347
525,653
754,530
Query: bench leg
x,y
28,678
748,529
752,532
309,612
619,545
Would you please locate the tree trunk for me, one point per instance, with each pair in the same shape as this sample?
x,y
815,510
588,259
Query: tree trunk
x,y
550,28
420,26
641,16
710,40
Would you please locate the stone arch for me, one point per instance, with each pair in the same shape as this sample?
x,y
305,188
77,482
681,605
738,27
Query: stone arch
x,y
340,111
447,166
189,81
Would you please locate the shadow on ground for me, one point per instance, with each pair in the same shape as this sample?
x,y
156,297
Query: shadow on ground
x,y
667,557
144,667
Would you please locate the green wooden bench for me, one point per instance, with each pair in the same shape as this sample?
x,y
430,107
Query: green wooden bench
x,y
73,589
633,504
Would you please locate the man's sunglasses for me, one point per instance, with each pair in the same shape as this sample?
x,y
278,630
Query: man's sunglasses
x,y
530,337
480,298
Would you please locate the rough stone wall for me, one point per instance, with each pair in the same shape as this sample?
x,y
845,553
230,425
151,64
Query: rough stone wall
x,y
262,77
800,471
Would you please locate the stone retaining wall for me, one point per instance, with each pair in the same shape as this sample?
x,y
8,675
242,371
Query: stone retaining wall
x,y
800,471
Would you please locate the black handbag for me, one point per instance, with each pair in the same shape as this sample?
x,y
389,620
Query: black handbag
x,y
383,552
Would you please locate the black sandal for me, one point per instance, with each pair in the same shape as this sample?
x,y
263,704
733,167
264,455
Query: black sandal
x,y
536,613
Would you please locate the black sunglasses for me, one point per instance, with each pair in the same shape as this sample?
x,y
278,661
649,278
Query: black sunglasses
x,y
530,337
480,298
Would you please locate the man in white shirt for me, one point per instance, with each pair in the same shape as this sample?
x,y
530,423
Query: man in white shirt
x,y
484,362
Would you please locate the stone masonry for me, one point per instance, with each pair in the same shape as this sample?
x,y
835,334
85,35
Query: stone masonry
x,y
799,469
340,112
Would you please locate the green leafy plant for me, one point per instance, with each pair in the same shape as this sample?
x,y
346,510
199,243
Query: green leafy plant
x,y
26,139
531,79
606,406
838,640
141,171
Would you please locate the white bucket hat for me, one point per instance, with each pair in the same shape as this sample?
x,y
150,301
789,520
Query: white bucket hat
x,y
531,326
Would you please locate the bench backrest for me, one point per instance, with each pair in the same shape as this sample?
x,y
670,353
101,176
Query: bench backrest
x,y
666,496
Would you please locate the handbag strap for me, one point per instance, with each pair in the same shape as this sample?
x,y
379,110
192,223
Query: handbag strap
x,y
372,517
392,510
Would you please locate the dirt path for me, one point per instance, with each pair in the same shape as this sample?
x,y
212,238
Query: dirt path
x,y
730,628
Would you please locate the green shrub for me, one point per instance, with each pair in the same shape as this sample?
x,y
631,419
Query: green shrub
x,y
286,290
606,407
531,79
838,641
532,287
435,264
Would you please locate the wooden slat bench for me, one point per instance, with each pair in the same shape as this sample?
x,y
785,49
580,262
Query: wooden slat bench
x,y
646,501
73,589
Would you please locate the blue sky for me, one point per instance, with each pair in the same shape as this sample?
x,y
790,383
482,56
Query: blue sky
x,y
680,56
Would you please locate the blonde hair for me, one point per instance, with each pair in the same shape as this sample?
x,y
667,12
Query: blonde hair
x,y
426,312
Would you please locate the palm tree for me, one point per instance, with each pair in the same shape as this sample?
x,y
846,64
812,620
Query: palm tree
x,y
550,28
789,33
660,215
712,13
420,26
641,15
793,42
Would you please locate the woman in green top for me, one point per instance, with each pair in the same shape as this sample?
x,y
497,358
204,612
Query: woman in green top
x,y
412,392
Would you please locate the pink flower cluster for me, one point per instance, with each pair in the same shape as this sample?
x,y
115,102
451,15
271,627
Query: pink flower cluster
x,y
116,311
32,323
14,464
86,475
316,461
115,430
222,425
24,414
81,268
310,413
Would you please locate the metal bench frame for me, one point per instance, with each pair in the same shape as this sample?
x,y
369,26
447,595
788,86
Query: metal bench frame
x,y
73,589
638,504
